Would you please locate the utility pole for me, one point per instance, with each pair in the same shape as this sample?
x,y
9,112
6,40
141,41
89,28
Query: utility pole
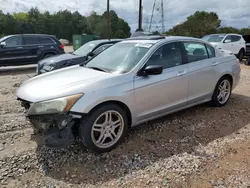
x,y
140,16
108,19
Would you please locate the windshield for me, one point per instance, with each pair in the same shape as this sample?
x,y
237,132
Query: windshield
x,y
3,38
121,57
213,38
86,48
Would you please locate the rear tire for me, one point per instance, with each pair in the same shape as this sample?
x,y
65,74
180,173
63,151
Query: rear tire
x,y
104,128
222,92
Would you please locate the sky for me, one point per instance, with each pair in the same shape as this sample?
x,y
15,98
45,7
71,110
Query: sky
x,y
234,13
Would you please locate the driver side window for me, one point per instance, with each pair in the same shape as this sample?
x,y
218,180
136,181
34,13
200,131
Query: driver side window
x,y
14,41
229,38
169,55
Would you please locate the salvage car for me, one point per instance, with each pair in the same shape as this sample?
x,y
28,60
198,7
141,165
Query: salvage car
x,y
80,55
131,82
231,42
25,49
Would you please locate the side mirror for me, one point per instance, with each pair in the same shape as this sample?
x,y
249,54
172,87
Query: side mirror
x,y
2,44
227,41
91,54
151,70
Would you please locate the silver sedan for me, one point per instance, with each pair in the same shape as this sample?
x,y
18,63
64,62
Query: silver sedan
x,y
132,82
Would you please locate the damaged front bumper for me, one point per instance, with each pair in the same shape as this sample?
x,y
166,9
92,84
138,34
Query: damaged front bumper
x,y
53,130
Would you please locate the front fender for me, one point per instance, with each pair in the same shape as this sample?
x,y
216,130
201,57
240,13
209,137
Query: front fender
x,y
123,93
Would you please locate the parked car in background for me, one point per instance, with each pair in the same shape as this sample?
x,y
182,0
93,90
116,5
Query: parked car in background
x,y
247,39
141,33
64,41
232,42
81,55
28,48
131,82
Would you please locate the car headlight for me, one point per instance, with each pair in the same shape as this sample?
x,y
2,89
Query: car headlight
x,y
48,67
58,105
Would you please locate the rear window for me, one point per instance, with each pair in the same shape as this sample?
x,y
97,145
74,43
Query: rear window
x,y
235,38
46,40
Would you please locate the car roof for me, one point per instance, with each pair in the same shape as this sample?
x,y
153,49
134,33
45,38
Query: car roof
x,y
163,38
108,40
153,37
32,35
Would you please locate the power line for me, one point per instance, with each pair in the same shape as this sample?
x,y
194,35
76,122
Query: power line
x,y
157,12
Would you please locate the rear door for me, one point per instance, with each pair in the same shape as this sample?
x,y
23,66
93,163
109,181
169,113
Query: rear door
x,y
202,74
13,53
47,44
237,43
31,45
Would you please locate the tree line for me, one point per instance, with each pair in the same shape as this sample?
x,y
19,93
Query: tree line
x,y
63,24
203,23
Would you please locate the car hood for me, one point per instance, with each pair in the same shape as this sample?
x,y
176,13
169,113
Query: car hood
x,y
215,43
59,83
57,58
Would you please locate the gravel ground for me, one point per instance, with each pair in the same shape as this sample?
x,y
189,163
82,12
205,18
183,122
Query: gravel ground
x,y
198,147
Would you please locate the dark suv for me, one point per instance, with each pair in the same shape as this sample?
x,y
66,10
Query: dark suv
x,y
28,48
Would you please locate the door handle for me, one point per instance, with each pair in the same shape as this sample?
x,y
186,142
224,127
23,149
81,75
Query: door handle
x,y
19,47
181,73
215,63
40,46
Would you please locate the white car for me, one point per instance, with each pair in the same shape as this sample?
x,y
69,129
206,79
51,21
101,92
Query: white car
x,y
231,42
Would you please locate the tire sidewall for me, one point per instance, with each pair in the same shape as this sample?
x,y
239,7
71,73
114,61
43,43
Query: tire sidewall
x,y
215,101
241,52
86,124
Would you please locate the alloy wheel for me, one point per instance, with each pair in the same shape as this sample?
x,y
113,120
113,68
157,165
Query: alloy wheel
x,y
107,129
224,91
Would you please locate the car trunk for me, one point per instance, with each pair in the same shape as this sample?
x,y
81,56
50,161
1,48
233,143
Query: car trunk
x,y
247,39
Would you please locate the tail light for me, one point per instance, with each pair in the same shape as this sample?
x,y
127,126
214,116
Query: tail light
x,y
62,46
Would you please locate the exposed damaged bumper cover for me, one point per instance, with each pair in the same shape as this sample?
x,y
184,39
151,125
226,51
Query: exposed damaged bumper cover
x,y
52,130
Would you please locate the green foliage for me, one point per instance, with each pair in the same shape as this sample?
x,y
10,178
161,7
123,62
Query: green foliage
x,y
197,25
203,23
63,24
120,34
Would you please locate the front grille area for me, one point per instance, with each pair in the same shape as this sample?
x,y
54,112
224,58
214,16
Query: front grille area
x,y
25,104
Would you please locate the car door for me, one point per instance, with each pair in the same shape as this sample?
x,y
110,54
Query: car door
x,y
12,53
228,44
157,95
237,43
202,74
31,45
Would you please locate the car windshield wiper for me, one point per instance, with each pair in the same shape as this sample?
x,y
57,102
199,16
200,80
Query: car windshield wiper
x,y
97,68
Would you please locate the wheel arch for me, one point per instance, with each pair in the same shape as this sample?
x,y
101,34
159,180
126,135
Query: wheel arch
x,y
116,102
228,76
244,51
54,52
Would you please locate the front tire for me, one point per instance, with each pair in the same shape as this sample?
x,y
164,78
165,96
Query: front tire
x,y
104,128
241,55
222,92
